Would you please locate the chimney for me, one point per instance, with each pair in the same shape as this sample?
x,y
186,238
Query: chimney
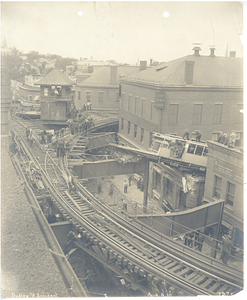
x,y
188,72
143,65
113,75
232,53
212,54
196,50
151,61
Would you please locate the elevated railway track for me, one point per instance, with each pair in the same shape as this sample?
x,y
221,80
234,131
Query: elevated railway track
x,y
124,246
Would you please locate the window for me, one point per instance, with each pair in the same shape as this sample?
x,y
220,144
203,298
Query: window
x,y
230,193
122,123
151,110
217,187
100,96
129,100
129,124
150,139
117,97
79,95
191,149
157,181
142,134
197,116
30,98
122,104
135,131
240,114
142,109
218,113
136,99
45,92
173,114
88,96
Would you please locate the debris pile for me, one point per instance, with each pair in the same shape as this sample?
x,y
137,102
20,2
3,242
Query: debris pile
x,y
124,158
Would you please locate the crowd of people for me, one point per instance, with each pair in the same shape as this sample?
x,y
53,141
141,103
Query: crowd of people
x,y
53,138
194,240
223,139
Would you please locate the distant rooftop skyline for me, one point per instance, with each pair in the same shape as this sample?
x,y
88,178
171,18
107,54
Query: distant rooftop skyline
x,y
126,32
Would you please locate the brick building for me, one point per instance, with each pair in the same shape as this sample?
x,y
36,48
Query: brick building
x,y
224,180
102,87
194,92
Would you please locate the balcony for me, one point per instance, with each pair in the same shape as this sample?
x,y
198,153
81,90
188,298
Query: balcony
x,y
58,98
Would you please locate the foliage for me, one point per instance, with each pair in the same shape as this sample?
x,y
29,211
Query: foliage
x,y
13,62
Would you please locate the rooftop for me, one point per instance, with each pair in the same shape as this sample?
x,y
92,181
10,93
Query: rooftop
x,y
56,77
102,75
208,71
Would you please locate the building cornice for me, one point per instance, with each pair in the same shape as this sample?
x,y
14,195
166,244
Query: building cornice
x,y
161,85
225,150
103,86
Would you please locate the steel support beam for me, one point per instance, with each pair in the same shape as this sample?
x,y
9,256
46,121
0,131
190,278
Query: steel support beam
x,y
146,179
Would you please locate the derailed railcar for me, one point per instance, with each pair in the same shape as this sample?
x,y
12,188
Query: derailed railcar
x,y
177,149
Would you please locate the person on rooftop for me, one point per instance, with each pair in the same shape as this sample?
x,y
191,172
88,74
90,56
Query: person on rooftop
x,y
198,135
220,138
186,135
232,139
225,139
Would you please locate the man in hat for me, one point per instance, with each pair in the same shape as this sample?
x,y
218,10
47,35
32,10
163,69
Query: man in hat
x,y
198,135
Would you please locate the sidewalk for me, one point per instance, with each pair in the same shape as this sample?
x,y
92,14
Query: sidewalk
x,y
27,266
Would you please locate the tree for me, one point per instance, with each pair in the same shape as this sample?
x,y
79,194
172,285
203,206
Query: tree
x,y
14,62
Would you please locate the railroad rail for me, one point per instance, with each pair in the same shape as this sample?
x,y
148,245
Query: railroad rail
x,y
123,247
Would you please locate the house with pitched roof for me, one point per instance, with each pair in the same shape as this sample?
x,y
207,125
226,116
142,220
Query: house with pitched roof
x,y
102,87
190,93
55,89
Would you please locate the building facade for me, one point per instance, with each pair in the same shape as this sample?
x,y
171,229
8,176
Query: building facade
x,y
191,93
224,180
101,89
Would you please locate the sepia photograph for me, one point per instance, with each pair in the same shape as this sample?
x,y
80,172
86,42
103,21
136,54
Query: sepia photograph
x,y
122,149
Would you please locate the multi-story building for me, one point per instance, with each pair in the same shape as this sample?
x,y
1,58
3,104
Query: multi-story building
x,y
224,180
102,87
194,92
191,93
55,97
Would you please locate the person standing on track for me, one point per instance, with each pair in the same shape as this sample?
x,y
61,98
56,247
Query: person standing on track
x,y
27,133
130,179
43,137
125,186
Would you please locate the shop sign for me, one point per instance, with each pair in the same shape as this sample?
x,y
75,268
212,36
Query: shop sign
x,y
159,104
229,171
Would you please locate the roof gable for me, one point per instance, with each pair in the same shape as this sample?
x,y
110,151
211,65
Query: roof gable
x,y
208,71
56,77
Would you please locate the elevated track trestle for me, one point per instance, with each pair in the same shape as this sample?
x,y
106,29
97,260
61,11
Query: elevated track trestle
x,y
121,247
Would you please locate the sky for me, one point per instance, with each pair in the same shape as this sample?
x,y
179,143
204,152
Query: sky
x,y
124,31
